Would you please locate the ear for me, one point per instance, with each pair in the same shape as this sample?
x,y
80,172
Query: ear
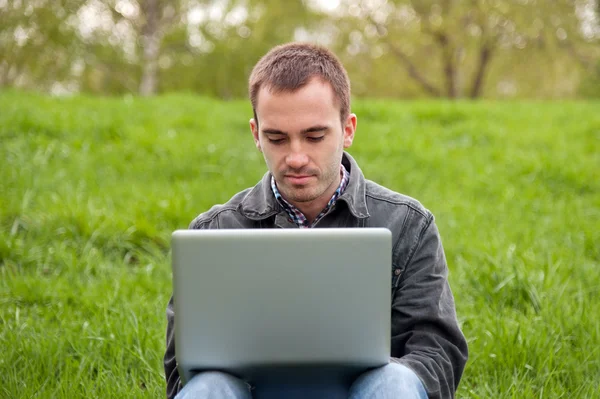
x,y
349,130
254,129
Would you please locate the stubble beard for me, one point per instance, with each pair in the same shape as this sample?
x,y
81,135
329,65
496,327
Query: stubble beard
x,y
312,192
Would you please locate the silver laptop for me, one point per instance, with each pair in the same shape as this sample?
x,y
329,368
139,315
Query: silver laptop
x,y
247,301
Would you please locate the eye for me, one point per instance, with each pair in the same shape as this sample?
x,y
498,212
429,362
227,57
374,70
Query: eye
x,y
315,139
276,141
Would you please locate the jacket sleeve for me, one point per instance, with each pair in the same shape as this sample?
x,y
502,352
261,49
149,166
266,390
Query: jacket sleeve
x,y
170,363
425,332
169,360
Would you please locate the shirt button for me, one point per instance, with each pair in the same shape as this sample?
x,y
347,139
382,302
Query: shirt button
x,y
397,272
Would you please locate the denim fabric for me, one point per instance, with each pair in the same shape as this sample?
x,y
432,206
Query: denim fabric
x,y
215,385
389,382
425,334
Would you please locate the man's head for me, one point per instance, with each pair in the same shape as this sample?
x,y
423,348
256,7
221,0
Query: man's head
x,y
290,66
300,93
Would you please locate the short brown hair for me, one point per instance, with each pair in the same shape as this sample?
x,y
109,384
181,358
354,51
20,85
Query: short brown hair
x,y
290,66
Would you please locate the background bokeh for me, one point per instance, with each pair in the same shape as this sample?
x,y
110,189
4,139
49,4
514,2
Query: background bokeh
x,y
391,48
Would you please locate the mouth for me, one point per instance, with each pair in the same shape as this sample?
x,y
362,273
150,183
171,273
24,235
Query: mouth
x,y
298,179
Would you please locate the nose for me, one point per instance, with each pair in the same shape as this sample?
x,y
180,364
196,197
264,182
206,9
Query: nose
x,y
297,158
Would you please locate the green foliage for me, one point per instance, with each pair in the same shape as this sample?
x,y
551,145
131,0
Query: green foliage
x,y
479,48
400,48
590,85
98,47
36,42
92,188
223,71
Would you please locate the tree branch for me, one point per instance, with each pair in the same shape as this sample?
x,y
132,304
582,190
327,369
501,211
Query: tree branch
x,y
413,71
410,67
448,59
440,36
485,55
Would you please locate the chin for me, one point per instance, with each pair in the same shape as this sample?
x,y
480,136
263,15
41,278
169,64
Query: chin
x,y
300,195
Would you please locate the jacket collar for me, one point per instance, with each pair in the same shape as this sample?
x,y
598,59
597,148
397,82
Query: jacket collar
x,y
260,203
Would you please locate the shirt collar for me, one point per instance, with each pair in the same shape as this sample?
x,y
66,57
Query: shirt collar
x,y
259,203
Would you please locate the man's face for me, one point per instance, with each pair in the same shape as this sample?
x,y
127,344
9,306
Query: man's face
x,y
302,140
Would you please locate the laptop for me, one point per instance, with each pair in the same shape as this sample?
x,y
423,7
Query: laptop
x,y
257,302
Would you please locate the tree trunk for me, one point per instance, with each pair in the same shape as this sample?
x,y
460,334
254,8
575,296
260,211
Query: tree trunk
x,y
485,54
151,38
450,73
3,74
448,58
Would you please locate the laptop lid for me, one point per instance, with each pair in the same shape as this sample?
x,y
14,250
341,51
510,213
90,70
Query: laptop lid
x,y
255,298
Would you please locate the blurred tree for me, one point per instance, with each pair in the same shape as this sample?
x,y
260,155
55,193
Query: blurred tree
x,y
204,46
36,41
226,41
148,22
92,45
442,44
448,48
159,18
151,37
590,84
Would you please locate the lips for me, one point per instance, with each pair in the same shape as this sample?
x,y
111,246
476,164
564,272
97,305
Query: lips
x,y
298,179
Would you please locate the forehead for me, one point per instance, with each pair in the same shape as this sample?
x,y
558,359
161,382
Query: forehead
x,y
314,102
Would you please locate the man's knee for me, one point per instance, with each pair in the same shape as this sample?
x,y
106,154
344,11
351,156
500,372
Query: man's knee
x,y
214,384
390,381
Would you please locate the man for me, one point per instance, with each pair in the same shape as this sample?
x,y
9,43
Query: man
x,y
302,123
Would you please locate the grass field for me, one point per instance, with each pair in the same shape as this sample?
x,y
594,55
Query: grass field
x,y
91,188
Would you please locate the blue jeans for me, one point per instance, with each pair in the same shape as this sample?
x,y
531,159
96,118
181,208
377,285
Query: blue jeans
x,y
390,381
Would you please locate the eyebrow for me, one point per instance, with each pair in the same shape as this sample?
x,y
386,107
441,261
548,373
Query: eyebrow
x,y
312,129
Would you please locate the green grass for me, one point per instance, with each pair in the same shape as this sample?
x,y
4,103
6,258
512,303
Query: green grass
x,y
91,188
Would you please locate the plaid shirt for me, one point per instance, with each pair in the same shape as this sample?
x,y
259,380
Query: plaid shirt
x,y
296,215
